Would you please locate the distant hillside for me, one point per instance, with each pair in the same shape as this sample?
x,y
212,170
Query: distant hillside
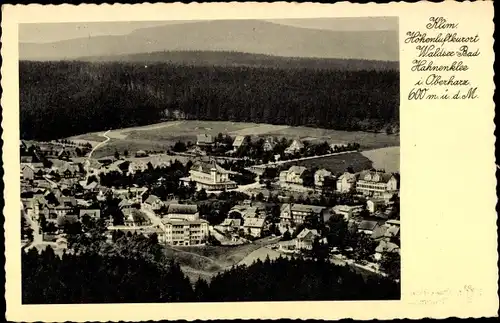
x,y
61,99
249,36
219,58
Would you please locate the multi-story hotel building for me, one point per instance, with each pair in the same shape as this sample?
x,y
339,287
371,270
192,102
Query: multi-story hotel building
x,y
178,232
210,176
374,183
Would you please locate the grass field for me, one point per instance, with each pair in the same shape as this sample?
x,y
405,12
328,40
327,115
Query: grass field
x,y
207,261
384,158
339,163
163,135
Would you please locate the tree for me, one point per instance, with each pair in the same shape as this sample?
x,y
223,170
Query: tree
x,y
117,154
391,264
179,146
125,153
364,248
201,195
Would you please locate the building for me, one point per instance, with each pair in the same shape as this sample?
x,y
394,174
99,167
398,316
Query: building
x,y
346,182
269,144
153,203
294,175
322,177
230,225
135,167
141,154
184,233
374,205
238,142
134,217
188,212
385,247
305,239
294,147
27,172
368,226
203,140
347,211
210,176
373,183
92,213
292,215
253,226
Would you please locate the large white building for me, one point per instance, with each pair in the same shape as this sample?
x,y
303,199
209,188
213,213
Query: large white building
x,y
346,182
374,183
210,176
292,215
177,232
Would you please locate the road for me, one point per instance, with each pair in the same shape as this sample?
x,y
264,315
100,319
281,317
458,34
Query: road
x,y
302,158
105,135
38,236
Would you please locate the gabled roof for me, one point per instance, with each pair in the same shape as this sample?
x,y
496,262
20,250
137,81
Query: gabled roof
x,y
238,141
231,222
204,139
253,223
182,209
307,208
308,234
348,176
367,225
91,212
299,170
378,177
323,172
152,199
386,246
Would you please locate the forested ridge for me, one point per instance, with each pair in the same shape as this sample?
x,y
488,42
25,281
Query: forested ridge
x,y
94,278
60,99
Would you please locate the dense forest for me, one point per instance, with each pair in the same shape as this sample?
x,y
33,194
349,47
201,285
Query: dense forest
x,y
60,99
93,278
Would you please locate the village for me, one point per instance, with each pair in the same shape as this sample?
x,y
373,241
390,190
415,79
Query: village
x,y
220,190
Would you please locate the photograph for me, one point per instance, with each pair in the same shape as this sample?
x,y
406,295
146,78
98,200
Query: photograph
x,y
243,160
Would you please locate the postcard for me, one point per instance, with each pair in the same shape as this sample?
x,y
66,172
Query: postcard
x,y
249,161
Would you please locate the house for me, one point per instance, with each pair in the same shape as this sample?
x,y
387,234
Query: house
x,y
92,213
135,167
294,175
253,226
347,211
368,226
230,225
187,212
135,217
238,142
64,154
322,177
292,215
210,176
27,172
183,232
66,219
373,183
346,182
203,140
141,154
70,170
153,203
374,205
385,247
306,238
269,144
294,147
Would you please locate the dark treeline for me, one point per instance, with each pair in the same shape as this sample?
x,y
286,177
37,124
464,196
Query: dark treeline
x,y
59,99
92,278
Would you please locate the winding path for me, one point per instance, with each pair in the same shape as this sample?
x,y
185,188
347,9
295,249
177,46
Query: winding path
x,y
105,135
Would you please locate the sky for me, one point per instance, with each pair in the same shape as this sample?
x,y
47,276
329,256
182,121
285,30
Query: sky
x,y
53,32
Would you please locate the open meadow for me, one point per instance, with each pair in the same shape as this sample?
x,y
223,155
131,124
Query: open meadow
x,y
338,163
384,158
160,136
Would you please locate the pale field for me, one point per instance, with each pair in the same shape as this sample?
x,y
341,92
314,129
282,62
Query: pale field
x,y
384,158
161,136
